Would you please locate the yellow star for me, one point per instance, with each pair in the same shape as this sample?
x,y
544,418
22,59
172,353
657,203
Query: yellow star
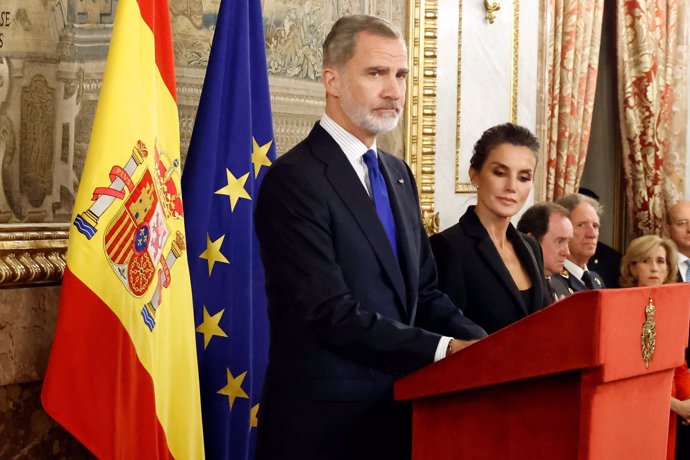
x,y
234,387
212,252
253,421
209,327
235,189
260,156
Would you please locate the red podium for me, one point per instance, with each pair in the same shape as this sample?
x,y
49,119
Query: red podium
x,y
568,382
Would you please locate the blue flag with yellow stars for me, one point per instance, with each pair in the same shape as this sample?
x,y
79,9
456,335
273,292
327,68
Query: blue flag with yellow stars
x,y
230,150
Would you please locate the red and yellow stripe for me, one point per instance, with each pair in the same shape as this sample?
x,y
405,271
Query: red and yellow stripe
x,y
123,390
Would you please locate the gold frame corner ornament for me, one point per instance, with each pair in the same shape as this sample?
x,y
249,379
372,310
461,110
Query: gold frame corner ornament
x,y
491,9
648,337
420,105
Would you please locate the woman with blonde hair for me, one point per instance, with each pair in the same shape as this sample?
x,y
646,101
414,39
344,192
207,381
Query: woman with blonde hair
x,y
651,261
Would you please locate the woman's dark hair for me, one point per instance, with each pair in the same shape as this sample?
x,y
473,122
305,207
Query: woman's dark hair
x,y
507,133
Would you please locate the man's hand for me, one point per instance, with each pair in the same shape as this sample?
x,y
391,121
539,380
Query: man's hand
x,y
455,345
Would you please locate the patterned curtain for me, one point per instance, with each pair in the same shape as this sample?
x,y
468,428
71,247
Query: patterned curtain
x,y
651,80
572,77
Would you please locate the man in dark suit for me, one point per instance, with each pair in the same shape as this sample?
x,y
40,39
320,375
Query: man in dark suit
x,y
351,282
679,231
549,224
583,212
606,261
678,217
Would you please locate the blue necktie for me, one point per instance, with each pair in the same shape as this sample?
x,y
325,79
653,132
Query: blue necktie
x,y
379,193
687,271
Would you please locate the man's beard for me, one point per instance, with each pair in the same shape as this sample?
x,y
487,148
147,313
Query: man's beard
x,y
367,118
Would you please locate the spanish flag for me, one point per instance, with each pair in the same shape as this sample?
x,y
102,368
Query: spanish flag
x,y
122,375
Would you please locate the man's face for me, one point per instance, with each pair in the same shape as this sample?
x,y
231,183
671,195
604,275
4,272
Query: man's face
x,y
555,242
679,228
585,222
371,86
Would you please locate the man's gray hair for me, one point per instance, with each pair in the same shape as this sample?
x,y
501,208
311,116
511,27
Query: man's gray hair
x,y
571,201
341,41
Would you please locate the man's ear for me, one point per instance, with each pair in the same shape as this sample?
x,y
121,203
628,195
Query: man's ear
x,y
331,81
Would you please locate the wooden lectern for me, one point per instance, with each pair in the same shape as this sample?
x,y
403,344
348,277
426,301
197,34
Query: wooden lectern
x,y
568,382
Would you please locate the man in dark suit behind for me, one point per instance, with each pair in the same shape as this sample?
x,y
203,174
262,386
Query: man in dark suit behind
x,y
549,224
606,261
583,212
351,282
678,217
679,230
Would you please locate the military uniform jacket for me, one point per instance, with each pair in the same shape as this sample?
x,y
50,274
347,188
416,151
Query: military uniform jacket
x,y
565,283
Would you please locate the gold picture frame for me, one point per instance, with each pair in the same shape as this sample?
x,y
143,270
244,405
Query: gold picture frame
x,y
465,186
32,254
419,129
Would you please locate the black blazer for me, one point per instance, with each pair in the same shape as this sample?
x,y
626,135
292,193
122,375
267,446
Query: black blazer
x,y
606,261
346,317
473,275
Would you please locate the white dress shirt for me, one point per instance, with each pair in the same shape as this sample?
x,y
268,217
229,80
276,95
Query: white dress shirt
x,y
574,270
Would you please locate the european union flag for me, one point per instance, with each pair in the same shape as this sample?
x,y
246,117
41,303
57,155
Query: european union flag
x,y
231,148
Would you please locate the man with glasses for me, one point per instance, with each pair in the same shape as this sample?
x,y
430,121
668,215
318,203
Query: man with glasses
x,y
679,228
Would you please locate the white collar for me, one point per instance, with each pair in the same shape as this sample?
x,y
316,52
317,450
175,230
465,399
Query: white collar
x,y
574,269
353,148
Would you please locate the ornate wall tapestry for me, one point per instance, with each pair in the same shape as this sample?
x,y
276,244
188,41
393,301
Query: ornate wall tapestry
x,y
52,59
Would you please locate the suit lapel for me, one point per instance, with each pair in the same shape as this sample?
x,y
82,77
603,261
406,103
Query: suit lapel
x,y
487,250
347,185
576,284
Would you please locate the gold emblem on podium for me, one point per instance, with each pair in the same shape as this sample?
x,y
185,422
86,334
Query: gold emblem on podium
x,y
648,337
